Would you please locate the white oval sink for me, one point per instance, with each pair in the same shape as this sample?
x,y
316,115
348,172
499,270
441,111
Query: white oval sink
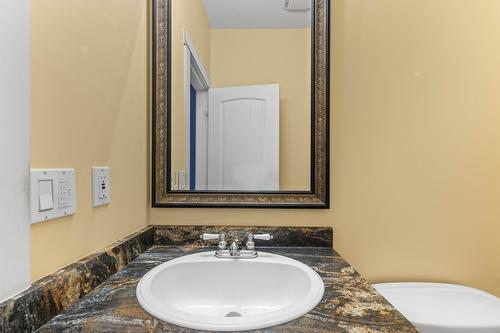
x,y
203,292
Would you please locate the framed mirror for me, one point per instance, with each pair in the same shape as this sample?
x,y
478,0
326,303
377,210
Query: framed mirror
x,y
240,98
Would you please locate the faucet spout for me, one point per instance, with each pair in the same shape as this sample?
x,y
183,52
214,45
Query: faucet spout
x,y
234,248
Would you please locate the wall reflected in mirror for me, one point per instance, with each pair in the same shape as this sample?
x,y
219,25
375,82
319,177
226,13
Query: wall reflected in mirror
x,y
241,95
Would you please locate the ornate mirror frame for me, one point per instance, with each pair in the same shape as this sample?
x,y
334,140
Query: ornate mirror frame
x,y
317,197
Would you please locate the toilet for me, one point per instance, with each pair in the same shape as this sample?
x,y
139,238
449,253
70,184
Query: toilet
x,y
444,308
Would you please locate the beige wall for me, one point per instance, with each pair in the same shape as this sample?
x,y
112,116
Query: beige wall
x,y
242,57
190,16
416,168
89,107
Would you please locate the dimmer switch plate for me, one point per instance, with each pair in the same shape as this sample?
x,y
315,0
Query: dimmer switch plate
x,y
101,186
53,194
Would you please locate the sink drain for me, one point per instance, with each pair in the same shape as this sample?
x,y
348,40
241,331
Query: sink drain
x,y
233,314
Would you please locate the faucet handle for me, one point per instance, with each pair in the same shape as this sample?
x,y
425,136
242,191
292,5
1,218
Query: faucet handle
x,y
221,237
265,237
207,237
250,244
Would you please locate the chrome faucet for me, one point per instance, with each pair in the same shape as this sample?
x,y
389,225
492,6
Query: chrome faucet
x,y
235,250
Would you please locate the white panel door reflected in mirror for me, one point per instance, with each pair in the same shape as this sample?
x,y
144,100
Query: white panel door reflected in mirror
x,y
241,95
243,139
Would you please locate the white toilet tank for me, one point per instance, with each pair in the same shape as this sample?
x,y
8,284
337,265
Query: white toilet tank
x,y
444,308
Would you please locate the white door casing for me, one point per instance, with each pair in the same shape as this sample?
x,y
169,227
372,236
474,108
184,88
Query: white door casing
x,y
201,140
197,76
243,138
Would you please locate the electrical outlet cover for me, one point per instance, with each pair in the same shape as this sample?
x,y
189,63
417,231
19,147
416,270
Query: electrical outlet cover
x,y
101,186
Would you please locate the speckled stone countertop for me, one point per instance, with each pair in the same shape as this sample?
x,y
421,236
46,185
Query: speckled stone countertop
x,y
350,304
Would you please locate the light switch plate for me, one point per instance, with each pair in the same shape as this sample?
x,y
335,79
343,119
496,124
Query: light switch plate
x,y
53,194
173,180
182,180
101,186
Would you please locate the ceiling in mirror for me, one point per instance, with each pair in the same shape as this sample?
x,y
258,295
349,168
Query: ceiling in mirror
x,y
258,14
240,96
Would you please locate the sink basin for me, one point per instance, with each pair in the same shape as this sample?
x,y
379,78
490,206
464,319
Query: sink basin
x,y
203,292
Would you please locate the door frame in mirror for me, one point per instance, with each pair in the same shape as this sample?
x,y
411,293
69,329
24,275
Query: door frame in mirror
x,y
319,194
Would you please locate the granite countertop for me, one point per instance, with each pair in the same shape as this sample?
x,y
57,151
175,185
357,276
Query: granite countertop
x,y
350,304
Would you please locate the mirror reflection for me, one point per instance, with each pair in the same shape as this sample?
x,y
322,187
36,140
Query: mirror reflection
x,y
241,95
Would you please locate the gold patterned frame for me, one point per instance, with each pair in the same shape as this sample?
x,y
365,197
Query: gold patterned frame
x,y
317,197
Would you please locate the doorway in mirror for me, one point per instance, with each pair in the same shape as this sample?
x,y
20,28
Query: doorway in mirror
x,y
243,138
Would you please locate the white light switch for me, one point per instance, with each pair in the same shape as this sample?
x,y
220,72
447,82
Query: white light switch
x,y
182,180
52,194
101,184
173,180
45,195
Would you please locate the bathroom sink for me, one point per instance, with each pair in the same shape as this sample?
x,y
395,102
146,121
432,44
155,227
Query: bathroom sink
x,y
203,292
